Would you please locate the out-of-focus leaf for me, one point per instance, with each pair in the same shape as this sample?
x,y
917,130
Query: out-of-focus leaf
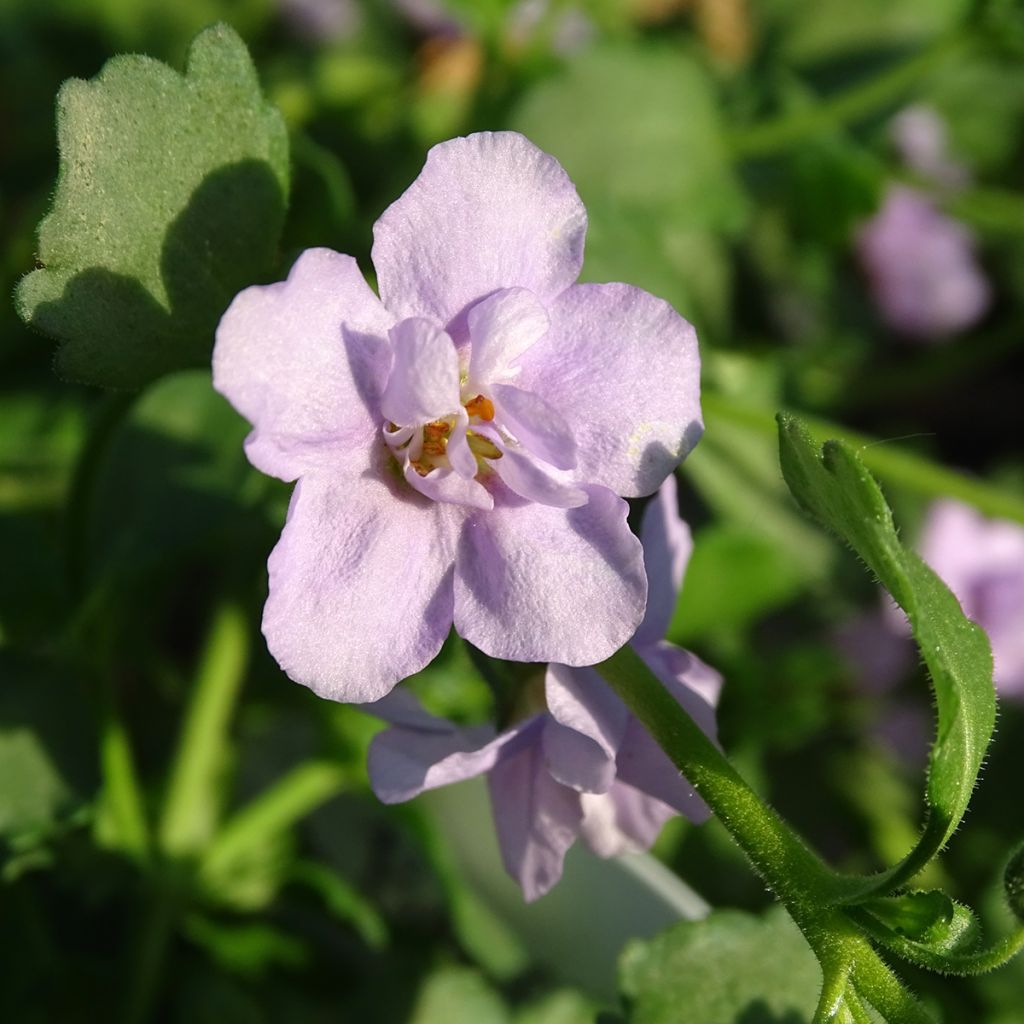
x,y
245,948
39,437
733,468
343,900
734,576
728,968
458,995
819,29
170,200
983,134
173,479
562,1007
658,250
832,484
639,126
47,746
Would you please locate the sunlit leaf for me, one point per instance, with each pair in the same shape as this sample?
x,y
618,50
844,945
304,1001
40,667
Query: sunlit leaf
x,y
170,199
832,484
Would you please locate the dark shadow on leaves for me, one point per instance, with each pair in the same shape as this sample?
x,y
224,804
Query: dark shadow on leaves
x,y
760,1013
115,333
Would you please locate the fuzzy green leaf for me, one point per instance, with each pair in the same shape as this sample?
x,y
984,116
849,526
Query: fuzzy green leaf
x,y
834,487
728,968
928,920
170,199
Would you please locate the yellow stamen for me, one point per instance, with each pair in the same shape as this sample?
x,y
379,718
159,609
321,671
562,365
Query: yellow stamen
x,y
481,407
483,447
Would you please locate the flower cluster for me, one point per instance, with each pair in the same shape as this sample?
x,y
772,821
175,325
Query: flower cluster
x,y
461,444
581,764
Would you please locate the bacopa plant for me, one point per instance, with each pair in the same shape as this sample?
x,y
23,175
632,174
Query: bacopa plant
x,y
463,437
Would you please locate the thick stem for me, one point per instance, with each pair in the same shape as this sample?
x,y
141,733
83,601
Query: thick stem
x,y
789,868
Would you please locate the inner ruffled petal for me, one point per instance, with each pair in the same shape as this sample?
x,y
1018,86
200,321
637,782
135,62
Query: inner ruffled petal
x,y
424,380
446,485
537,426
528,479
502,327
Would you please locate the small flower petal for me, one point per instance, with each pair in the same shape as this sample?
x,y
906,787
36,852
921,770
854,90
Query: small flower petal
x,y
360,585
305,387
524,475
535,583
581,700
575,760
502,327
538,427
424,380
488,211
403,762
622,368
447,486
623,820
668,545
536,819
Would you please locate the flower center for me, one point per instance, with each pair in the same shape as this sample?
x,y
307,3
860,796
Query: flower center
x,y
429,450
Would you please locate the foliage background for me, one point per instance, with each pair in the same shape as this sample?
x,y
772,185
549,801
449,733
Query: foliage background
x,y
187,836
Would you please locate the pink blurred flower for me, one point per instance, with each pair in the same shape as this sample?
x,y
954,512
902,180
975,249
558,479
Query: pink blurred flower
x,y
982,561
921,267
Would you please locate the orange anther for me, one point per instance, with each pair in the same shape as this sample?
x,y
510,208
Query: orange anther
x,y
481,407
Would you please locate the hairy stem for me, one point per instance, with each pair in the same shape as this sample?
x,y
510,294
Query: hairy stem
x,y
789,868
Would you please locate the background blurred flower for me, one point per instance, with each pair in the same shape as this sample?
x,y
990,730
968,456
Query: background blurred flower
x,y
321,21
982,561
920,136
921,267
580,764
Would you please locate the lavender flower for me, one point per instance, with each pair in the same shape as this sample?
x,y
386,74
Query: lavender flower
x,y
321,21
460,442
982,562
921,267
582,765
919,134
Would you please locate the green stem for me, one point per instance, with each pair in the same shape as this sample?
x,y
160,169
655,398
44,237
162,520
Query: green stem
x,y
121,820
789,868
192,804
276,809
78,519
898,466
852,105
150,952
883,990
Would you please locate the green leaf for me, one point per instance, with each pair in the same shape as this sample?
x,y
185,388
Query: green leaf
x,y
734,576
1013,883
458,995
727,968
645,132
170,199
246,948
928,919
833,486
47,747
